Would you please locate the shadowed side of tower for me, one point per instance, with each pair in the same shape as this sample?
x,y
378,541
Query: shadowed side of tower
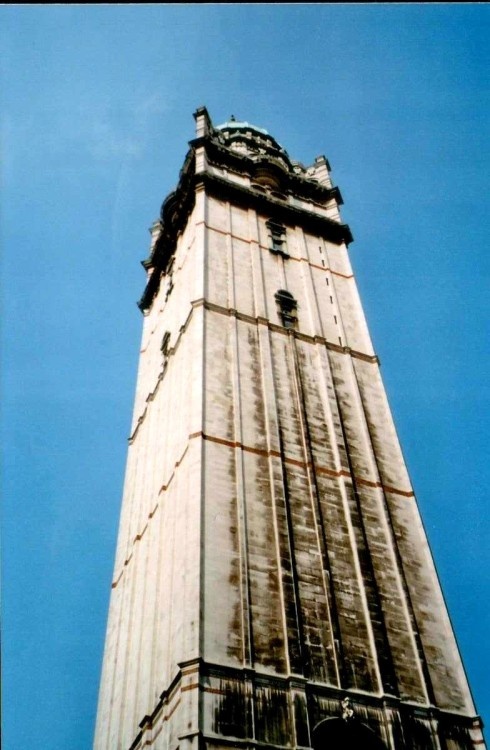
x,y
273,584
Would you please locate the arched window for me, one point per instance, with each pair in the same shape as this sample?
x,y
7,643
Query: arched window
x,y
345,734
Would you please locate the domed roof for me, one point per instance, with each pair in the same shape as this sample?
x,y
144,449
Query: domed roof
x,y
239,125
251,134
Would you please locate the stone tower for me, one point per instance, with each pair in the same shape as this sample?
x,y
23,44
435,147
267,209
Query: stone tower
x,y
273,584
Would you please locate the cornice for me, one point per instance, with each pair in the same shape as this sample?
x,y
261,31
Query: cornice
x,y
276,209
362,701
179,204
174,214
220,155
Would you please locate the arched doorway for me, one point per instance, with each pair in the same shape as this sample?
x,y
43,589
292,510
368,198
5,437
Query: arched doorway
x,y
345,734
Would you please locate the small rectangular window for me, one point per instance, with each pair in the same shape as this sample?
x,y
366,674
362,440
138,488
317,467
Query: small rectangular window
x,y
170,286
277,238
165,343
277,245
287,308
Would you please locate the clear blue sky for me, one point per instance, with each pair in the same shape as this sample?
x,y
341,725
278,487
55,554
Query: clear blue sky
x,y
96,112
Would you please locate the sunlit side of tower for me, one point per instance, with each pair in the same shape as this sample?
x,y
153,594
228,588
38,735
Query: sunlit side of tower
x,y
273,584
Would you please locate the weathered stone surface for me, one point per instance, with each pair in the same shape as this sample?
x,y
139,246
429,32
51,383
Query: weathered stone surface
x,y
271,559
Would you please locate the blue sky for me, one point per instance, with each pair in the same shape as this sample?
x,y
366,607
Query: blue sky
x,y
96,112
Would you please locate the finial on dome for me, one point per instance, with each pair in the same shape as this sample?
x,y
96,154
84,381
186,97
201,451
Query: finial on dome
x,y
232,118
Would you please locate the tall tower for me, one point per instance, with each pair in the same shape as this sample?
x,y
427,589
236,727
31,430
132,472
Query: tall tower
x,y
273,584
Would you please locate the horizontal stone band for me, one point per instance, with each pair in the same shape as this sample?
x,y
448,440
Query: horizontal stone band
x,y
359,481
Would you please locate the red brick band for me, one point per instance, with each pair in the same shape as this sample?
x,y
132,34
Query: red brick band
x,y
304,464
264,247
266,454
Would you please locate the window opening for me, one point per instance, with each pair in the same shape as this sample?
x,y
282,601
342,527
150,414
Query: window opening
x,y
170,286
169,273
278,194
287,308
277,238
165,343
347,731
